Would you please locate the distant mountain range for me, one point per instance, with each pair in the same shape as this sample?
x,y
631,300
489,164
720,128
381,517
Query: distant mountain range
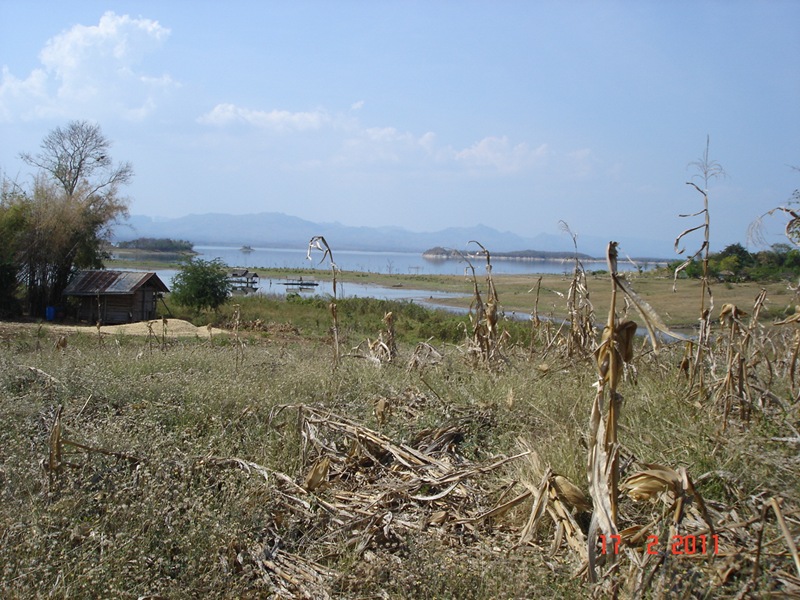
x,y
277,230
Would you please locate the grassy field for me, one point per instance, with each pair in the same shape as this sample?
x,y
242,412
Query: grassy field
x,y
419,459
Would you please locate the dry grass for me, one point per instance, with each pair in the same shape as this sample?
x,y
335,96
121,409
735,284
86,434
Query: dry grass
x,y
243,465
678,308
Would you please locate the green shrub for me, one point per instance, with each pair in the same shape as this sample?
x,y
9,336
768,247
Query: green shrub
x,y
201,284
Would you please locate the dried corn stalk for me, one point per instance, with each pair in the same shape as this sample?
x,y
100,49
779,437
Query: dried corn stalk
x,y
383,349
424,355
603,471
615,349
485,339
318,242
580,312
707,170
793,320
54,461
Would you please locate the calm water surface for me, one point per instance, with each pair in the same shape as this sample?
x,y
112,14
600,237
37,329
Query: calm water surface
x,y
387,262
371,262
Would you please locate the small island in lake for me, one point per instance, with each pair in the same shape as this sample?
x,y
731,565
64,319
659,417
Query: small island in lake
x,y
157,244
158,249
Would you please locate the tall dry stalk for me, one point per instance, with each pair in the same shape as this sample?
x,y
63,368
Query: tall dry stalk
x,y
485,335
707,170
794,354
391,335
318,242
615,349
238,342
580,311
536,321
164,328
740,359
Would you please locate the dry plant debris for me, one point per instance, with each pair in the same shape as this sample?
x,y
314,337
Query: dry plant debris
x,y
371,481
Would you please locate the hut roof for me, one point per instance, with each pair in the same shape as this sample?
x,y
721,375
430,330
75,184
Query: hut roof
x,y
92,283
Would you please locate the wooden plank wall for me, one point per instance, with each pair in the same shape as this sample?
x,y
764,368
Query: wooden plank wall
x,y
140,306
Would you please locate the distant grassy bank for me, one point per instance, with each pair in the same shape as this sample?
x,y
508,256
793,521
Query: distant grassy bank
x,y
679,307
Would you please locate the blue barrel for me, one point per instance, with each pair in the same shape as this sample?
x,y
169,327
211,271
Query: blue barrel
x,y
50,313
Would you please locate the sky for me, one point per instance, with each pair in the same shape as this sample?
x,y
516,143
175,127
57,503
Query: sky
x,y
423,114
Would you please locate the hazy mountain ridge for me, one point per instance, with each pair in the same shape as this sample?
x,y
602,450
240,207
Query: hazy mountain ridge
x,y
278,230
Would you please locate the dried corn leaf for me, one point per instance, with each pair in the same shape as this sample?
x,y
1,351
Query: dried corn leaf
x,y
651,483
795,318
571,494
786,533
537,510
54,443
730,313
652,321
611,353
318,474
382,410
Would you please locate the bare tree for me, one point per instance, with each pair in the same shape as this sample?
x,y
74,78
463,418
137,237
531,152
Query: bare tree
x,y
80,153
67,211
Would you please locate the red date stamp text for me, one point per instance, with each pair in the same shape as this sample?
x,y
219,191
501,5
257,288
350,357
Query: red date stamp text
x,y
687,545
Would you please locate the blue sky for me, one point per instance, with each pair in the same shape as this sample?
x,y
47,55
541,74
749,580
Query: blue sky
x,y
424,115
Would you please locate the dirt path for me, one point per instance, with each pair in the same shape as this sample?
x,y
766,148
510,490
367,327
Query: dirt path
x,y
175,328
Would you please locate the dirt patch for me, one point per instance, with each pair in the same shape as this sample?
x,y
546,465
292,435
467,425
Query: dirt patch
x,y
175,328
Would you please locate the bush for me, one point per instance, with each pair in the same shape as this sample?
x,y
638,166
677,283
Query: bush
x,y
201,284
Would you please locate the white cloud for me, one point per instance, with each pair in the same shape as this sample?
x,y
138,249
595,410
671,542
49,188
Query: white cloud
x,y
428,141
90,69
19,95
357,105
277,120
499,154
387,145
359,146
581,162
388,135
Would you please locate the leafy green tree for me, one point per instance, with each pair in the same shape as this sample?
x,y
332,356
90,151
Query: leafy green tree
x,y
780,262
12,224
730,264
201,284
738,251
67,210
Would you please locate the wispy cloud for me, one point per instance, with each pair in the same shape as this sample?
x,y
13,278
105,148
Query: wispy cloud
x,y
360,145
581,162
278,120
90,68
388,145
498,153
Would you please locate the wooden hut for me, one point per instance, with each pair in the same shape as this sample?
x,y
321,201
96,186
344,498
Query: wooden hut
x,y
243,281
115,296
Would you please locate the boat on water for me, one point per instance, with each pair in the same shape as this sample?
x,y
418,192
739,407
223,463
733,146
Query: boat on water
x,y
246,249
300,284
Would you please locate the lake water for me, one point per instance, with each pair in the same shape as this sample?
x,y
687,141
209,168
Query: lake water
x,y
388,262
370,262
325,288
